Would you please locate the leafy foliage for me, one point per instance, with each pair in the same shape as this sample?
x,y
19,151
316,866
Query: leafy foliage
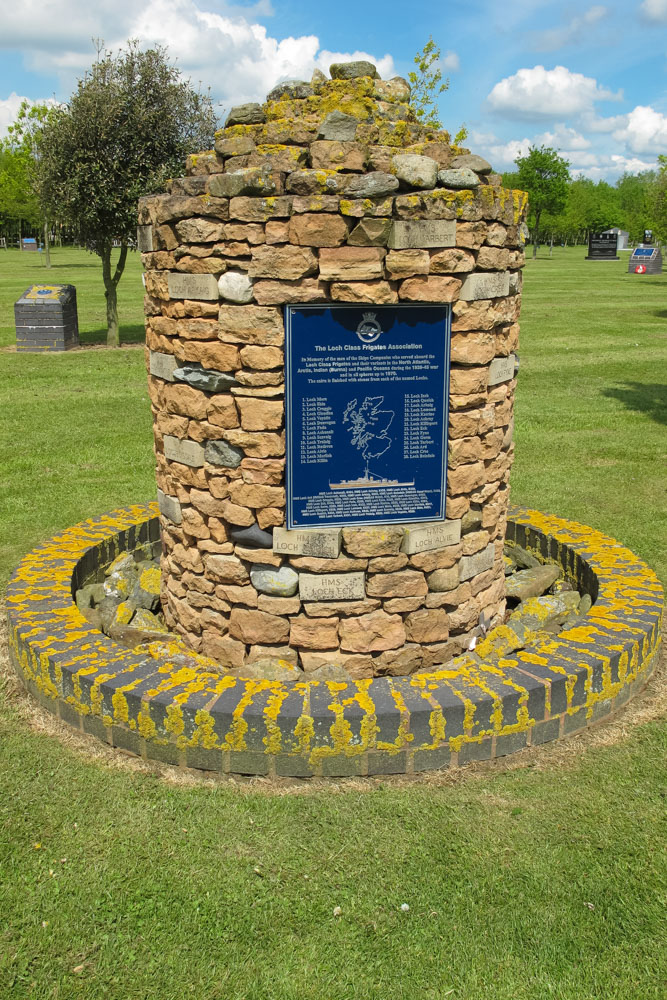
x,y
126,129
21,196
427,85
545,176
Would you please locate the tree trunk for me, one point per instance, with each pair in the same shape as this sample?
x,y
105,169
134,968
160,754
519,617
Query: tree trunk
x,y
110,286
47,250
536,234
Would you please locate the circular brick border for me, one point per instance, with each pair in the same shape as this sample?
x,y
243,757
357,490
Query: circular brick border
x,y
163,703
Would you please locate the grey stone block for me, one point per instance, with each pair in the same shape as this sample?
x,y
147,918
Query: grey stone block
x,y
184,451
144,239
169,507
422,234
246,114
339,127
422,537
281,582
162,365
223,453
458,178
480,562
502,369
485,285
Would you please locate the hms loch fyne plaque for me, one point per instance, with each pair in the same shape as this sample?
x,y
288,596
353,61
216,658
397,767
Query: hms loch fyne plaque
x,y
367,412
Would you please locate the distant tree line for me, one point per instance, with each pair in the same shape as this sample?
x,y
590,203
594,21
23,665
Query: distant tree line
x,y
580,206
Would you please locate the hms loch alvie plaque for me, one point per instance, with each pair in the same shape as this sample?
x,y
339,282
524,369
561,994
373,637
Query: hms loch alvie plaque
x,y
366,414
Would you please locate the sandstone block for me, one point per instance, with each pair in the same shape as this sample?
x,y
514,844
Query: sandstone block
x,y
376,292
259,209
338,127
387,564
227,651
465,478
318,229
342,609
399,662
279,605
226,569
371,633
351,263
269,292
441,580
384,540
257,325
404,583
436,558
252,495
261,358
427,625
375,184
327,154
199,231
452,261
429,288
314,633
258,627
260,414
284,262
406,263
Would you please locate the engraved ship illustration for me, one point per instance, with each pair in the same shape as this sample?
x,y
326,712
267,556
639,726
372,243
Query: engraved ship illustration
x,y
368,479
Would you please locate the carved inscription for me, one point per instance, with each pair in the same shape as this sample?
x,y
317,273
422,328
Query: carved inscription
x,y
423,537
501,369
321,544
331,586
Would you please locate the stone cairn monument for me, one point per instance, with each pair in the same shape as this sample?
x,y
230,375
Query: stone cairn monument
x,y
329,193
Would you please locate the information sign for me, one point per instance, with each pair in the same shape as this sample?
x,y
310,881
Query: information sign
x,y
602,246
366,414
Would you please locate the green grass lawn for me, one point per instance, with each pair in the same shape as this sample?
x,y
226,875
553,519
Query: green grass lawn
x,y
523,884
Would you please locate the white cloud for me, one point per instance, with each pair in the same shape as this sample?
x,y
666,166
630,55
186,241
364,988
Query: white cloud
x,y
570,34
9,109
236,56
500,154
563,137
631,164
538,93
645,131
450,62
654,10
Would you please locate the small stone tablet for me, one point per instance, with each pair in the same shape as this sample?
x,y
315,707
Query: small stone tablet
x,y
502,369
323,544
331,586
422,233
193,286
422,537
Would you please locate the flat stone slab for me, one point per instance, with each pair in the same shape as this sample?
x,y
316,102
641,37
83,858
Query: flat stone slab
x,y
502,369
193,286
437,535
173,705
323,544
421,234
332,586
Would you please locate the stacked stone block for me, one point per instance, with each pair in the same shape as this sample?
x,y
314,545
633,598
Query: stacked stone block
x,y
330,192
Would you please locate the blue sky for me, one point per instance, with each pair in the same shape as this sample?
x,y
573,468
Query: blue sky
x,y
589,79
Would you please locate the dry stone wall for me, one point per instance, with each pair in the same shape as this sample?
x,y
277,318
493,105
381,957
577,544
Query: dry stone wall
x,y
330,192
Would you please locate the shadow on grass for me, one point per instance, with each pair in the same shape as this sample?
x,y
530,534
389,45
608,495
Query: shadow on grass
x,y
660,313
648,398
130,333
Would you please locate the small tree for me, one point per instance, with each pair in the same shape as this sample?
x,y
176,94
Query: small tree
x,y
21,191
126,129
427,85
545,176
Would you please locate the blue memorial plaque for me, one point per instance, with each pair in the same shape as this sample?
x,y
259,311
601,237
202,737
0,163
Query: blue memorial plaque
x,y
366,414
644,252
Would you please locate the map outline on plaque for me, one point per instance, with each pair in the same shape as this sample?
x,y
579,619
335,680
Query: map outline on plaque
x,y
366,404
